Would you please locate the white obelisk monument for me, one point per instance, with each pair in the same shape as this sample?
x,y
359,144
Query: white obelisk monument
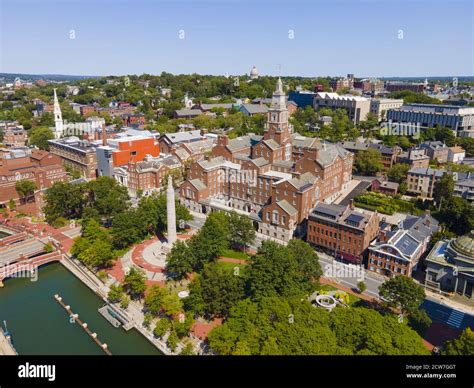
x,y
171,212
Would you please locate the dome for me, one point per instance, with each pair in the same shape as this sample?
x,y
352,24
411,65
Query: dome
x,y
465,245
254,72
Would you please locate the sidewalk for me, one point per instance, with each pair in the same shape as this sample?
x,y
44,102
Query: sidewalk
x,y
444,300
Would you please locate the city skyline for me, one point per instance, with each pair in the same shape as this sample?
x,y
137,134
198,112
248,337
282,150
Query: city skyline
x,y
327,39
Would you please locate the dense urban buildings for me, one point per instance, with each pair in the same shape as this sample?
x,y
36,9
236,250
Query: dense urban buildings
x,y
276,179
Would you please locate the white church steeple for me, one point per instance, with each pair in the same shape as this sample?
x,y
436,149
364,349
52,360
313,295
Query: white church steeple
x,y
58,118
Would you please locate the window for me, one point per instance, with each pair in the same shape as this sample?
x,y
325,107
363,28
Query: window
x,y
275,217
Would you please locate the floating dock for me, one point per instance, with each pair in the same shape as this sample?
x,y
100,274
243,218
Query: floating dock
x,y
84,326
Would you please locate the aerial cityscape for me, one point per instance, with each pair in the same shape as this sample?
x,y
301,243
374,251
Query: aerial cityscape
x,y
270,195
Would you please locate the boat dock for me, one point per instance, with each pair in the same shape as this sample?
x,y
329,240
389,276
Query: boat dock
x,y
84,326
115,317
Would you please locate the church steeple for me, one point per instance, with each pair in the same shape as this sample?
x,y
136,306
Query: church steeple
x,y
277,121
58,118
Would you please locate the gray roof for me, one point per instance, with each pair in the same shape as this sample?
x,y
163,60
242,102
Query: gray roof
x,y
420,227
304,182
283,163
197,183
254,108
303,141
188,112
182,137
271,143
426,171
214,162
243,142
260,162
287,207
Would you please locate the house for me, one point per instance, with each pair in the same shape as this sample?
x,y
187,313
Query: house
x,y
456,154
397,252
415,158
253,109
187,113
385,187
422,181
436,150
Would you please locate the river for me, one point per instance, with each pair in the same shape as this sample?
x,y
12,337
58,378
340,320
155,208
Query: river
x,y
40,326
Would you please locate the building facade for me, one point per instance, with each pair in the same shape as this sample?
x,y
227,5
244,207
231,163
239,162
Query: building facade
x,y
357,107
342,231
397,252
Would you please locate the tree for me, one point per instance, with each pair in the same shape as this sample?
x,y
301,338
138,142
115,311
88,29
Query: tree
x,y
306,258
188,350
172,341
154,300
25,189
63,200
420,321
401,292
107,197
368,162
172,304
461,346
211,240
457,214
219,290
361,286
134,283
179,261
128,228
39,137
241,230
443,188
276,271
94,247
115,293
398,172
162,326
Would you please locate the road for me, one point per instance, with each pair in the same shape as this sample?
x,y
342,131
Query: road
x,y
11,253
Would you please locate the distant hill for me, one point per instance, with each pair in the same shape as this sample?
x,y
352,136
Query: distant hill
x,y
51,77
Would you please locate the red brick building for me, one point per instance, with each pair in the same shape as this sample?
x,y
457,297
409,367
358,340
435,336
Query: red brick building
x,y
40,167
342,231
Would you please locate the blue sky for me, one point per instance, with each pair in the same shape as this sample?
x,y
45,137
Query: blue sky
x,y
331,37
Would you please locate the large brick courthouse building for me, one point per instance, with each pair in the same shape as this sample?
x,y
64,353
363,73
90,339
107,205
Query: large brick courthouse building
x,y
276,179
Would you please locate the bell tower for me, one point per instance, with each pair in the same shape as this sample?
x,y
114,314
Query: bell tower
x,y
277,121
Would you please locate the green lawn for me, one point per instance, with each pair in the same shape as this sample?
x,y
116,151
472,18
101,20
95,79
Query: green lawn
x,y
235,254
232,266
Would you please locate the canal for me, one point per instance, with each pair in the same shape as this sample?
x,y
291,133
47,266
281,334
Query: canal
x,y
39,325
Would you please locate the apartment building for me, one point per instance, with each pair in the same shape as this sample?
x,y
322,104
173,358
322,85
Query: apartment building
x,y
78,155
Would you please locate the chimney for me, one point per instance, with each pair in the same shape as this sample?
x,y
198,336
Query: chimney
x,y
104,135
351,204
223,140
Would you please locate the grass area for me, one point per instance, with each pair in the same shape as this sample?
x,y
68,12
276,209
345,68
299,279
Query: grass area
x,y
385,204
232,266
233,254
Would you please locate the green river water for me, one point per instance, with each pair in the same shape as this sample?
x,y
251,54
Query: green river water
x,y
39,325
